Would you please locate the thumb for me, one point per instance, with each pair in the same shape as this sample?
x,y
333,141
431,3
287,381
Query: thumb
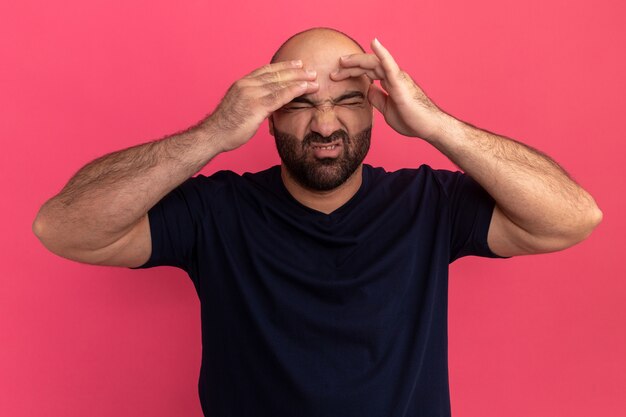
x,y
377,97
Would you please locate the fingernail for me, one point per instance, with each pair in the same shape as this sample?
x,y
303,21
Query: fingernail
x,y
311,72
297,62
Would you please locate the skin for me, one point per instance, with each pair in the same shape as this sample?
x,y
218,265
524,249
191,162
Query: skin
x,y
100,216
539,208
331,107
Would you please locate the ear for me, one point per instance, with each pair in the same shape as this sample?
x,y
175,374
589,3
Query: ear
x,y
270,122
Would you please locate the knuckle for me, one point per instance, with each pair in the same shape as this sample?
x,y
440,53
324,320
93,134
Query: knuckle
x,y
270,99
296,86
260,70
275,87
269,77
238,85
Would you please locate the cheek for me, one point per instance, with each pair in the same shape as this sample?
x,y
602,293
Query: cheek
x,y
355,120
293,123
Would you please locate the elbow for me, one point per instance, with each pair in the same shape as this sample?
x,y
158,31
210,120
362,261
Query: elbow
x,y
597,217
45,232
558,234
38,226
40,230
586,224
594,219
572,232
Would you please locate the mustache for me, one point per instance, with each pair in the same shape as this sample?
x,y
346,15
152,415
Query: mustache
x,y
314,137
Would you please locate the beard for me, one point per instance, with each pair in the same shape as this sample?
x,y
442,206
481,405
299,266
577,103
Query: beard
x,y
322,174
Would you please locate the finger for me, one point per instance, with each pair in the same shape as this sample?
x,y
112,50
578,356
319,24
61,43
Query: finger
x,y
285,75
389,65
344,73
366,61
377,97
279,94
276,66
278,86
359,60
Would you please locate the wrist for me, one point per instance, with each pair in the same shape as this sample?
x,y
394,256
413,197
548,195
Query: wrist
x,y
211,135
445,128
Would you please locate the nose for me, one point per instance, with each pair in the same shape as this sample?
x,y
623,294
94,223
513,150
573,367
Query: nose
x,y
325,121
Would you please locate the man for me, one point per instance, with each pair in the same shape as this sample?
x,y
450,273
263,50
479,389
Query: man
x,y
323,282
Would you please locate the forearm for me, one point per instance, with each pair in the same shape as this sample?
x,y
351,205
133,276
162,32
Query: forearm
x,y
532,190
105,198
539,208
103,208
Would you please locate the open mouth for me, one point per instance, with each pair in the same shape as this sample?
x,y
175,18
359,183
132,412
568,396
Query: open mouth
x,y
326,150
327,147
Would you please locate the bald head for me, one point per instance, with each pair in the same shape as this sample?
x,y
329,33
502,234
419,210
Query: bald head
x,y
335,113
315,38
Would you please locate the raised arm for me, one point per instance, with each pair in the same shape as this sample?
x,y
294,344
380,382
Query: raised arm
x,y
100,216
539,208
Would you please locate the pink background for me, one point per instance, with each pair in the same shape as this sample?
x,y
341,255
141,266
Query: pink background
x,y
531,336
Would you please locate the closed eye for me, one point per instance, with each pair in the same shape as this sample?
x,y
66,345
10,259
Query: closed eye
x,y
354,103
299,107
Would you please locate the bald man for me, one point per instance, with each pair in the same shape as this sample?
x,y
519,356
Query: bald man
x,y
322,281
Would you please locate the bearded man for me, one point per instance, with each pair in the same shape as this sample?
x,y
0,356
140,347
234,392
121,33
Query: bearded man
x,y
322,281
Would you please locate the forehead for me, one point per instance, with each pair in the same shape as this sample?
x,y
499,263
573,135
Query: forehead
x,y
321,51
318,46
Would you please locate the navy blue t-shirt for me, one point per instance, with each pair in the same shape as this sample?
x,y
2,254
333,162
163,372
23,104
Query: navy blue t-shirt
x,y
313,314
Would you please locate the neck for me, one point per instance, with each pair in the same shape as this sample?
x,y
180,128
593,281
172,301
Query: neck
x,y
323,201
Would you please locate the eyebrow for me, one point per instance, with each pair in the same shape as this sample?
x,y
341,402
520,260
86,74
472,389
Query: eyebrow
x,y
345,96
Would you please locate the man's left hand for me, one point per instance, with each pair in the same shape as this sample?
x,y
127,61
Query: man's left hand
x,y
403,103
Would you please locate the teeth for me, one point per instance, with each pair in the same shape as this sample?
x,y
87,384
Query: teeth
x,y
327,147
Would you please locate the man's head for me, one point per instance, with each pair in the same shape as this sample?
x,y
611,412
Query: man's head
x,y
322,138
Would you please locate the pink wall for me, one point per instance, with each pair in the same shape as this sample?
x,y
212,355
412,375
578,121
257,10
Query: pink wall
x,y
531,336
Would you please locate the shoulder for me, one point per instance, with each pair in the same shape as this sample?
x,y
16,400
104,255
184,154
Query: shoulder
x,y
224,179
224,189
406,190
423,170
423,177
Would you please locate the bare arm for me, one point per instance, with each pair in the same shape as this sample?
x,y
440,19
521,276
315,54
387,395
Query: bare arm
x,y
100,216
110,196
539,208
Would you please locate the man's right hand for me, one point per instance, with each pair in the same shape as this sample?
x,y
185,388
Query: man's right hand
x,y
251,99
100,215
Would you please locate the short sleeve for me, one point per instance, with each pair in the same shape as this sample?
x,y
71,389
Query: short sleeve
x,y
470,211
175,224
